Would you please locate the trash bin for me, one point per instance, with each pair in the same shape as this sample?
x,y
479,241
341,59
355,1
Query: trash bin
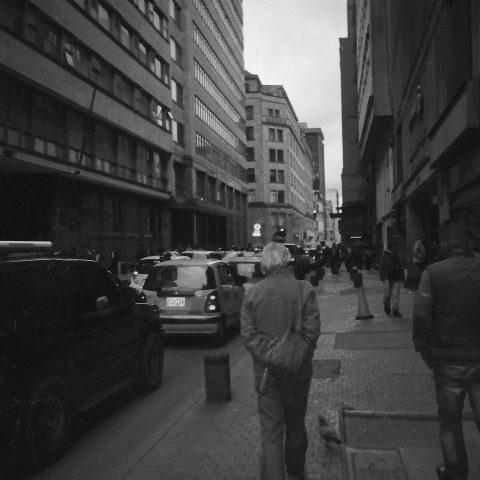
x,y
217,377
353,273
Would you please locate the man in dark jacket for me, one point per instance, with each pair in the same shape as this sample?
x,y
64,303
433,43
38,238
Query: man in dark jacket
x,y
391,273
446,332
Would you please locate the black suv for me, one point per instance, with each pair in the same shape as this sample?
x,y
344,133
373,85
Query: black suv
x,y
70,336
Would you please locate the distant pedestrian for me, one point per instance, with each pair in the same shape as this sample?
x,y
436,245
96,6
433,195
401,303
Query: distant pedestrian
x,y
391,273
415,269
270,308
446,332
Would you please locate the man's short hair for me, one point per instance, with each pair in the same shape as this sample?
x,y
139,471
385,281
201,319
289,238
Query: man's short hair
x,y
454,234
274,256
279,236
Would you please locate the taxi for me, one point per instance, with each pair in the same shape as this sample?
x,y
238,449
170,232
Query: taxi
x,y
196,297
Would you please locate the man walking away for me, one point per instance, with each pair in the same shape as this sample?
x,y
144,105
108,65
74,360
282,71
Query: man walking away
x,y
391,273
446,332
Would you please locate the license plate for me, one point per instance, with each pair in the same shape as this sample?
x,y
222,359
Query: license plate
x,y
175,301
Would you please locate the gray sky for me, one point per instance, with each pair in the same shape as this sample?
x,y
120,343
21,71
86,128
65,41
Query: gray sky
x,y
294,43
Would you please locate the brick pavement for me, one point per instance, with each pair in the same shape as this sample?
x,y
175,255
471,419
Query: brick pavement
x,y
220,441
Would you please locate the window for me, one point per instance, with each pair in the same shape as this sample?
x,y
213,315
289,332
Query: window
x,y
125,37
280,176
177,92
175,51
250,154
279,135
273,176
250,175
273,196
142,52
272,155
177,132
271,134
277,113
251,195
249,133
280,156
174,11
104,17
249,112
270,112
281,196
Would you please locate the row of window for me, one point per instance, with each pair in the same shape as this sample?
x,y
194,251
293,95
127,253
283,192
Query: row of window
x,y
275,135
205,148
238,14
228,24
275,156
175,52
153,15
207,116
273,113
210,189
218,66
202,77
217,34
62,46
177,92
37,122
130,39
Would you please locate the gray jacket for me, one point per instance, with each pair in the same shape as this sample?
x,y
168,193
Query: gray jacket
x,y
272,306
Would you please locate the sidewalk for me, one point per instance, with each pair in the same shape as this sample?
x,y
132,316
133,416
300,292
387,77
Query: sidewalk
x,y
369,384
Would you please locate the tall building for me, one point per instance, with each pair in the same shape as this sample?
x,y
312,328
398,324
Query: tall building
x,y
279,166
415,69
314,138
333,202
121,123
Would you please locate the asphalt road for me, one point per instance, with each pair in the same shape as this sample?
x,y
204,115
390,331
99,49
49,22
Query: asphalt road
x,y
111,438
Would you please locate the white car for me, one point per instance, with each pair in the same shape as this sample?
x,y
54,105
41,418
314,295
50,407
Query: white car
x,y
145,264
202,254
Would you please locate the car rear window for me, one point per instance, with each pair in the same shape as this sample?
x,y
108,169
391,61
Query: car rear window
x,y
249,270
182,277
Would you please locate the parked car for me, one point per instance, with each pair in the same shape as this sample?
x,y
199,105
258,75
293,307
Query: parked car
x,y
69,338
248,267
124,271
144,265
202,254
196,297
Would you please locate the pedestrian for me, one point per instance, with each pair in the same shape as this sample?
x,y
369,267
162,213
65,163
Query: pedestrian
x,y
446,332
391,273
270,308
414,271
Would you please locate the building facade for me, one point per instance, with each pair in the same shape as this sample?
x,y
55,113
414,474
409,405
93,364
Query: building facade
x,y
315,138
279,167
418,67
112,133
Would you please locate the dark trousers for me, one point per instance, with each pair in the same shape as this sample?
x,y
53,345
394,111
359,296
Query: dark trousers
x,y
452,383
281,410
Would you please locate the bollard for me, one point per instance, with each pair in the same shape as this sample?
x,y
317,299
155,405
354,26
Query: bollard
x,y
217,377
353,273
358,280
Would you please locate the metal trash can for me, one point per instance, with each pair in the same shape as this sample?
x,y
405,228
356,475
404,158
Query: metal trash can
x,y
217,377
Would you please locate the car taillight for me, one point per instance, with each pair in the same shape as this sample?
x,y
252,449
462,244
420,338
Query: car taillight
x,y
211,303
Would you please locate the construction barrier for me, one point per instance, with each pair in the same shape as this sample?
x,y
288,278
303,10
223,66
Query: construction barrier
x,y
217,377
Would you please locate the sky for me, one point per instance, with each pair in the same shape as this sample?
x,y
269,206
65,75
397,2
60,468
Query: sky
x,y
295,43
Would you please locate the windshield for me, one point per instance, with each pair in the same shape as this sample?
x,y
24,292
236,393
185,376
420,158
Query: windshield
x,y
181,277
145,266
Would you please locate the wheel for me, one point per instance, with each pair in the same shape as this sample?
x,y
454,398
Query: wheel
x,y
219,338
48,421
149,369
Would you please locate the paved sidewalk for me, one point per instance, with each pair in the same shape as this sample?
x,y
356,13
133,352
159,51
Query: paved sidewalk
x,y
377,371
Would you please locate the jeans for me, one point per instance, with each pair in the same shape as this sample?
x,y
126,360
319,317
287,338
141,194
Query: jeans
x,y
452,382
391,293
281,410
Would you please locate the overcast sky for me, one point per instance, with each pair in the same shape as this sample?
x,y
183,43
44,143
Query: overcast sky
x,y
295,43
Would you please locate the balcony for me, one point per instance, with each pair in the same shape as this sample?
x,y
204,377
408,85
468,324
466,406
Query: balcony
x,y
274,121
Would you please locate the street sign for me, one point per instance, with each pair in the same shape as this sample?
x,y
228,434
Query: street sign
x,y
256,230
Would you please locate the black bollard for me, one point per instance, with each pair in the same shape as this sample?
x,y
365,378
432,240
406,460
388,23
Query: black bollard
x,y
358,280
217,377
353,274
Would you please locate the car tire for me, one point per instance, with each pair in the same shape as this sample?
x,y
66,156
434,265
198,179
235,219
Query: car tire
x,y
47,425
149,370
219,338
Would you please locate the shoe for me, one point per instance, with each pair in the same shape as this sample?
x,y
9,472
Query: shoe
x,y
442,473
387,309
396,313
